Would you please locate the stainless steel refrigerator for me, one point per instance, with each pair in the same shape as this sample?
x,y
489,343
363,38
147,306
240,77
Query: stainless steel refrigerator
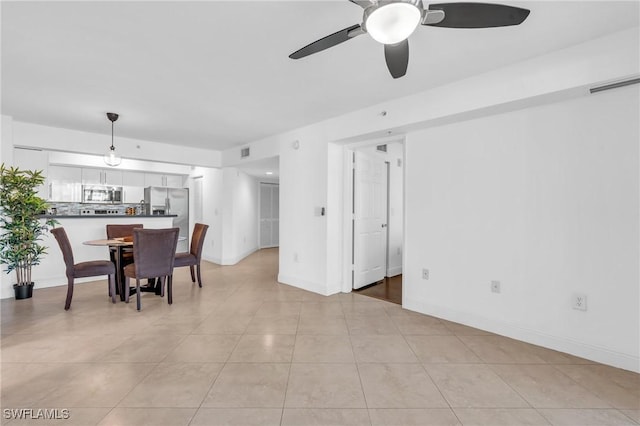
x,y
160,200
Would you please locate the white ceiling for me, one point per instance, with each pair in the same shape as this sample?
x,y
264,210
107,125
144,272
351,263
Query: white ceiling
x,y
217,74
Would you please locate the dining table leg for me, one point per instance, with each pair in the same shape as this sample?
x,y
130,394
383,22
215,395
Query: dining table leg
x,y
120,272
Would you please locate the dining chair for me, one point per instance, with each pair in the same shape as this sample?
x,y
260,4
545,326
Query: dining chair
x,y
192,257
154,252
83,269
120,231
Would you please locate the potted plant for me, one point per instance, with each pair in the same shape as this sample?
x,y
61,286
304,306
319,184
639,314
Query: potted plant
x,y
21,227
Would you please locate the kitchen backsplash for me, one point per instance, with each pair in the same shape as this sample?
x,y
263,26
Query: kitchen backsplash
x,y
73,209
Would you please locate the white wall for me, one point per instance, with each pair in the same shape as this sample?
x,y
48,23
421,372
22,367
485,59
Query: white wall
x,y
239,216
212,207
545,200
303,232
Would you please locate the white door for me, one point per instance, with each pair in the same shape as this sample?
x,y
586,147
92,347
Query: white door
x,y
269,215
369,219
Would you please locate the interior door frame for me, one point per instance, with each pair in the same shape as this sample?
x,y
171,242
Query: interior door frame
x,y
348,200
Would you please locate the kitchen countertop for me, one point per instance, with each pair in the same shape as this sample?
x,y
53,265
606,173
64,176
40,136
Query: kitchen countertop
x,y
94,216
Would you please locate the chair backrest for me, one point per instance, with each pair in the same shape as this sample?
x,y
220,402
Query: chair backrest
x,y
65,247
197,239
154,251
119,231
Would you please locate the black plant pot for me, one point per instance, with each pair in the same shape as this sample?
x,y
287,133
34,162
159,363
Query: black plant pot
x,y
23,291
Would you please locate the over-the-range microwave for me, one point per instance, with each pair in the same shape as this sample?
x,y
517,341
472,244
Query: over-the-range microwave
x,y
101,194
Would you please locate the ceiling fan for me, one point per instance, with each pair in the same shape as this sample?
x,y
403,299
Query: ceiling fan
x,y
391,22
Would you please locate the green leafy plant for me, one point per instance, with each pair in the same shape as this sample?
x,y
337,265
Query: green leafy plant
x,y
21,227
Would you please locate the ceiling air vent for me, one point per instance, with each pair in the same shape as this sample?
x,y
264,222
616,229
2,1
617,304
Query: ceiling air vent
x,y
244,152
382,148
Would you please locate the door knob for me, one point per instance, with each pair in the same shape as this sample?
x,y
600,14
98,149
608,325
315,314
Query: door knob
x,y
384,225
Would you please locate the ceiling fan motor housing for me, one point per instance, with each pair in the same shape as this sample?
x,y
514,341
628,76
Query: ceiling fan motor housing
x,y
390,22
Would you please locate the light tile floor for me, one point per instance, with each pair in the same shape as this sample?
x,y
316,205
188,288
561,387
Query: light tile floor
x,y
245,350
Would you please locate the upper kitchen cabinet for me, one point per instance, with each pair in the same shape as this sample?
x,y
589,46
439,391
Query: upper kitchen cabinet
x,y
173,181
31,159
156,179
101,177
64,184
133,178
133,184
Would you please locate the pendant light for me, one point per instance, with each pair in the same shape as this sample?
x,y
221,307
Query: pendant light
x,y
111,158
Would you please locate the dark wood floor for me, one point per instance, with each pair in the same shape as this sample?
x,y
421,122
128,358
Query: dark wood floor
x,y
390,289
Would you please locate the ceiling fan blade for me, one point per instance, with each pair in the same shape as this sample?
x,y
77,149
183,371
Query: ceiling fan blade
x,y
328,41
362,3
478,15
397,57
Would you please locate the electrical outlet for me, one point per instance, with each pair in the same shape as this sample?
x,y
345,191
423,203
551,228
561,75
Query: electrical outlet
x,y
295,257
399,251
425,274
495,286
579,301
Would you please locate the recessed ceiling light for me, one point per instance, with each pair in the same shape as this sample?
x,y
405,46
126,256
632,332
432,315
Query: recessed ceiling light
x,y
269,173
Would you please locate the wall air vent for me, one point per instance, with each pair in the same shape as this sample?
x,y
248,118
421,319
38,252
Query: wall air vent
x,y
615,85
244,152
382,148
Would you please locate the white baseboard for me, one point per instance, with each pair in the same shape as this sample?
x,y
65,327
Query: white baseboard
x,y
7,292
313,287
216,260
504,328
394,271
238,258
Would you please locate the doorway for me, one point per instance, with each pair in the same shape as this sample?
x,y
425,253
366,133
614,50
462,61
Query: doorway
x,y
269,215
377,224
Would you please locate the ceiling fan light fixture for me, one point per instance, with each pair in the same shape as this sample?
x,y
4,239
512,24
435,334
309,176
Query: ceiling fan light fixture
x,y
391,23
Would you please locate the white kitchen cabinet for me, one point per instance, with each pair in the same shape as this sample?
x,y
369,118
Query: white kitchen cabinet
x,y
133,178
157,179
91,176
64,184
133,186
31,159
153,179
112,177
173,181
132,194
101,177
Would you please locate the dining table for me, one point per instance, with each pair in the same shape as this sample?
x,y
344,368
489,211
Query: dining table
x,y
119,245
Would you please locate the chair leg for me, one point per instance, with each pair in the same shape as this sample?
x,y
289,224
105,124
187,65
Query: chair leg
x,y
126,290
199,277
67,304
170,289
137,293
193,277
160,283
112,287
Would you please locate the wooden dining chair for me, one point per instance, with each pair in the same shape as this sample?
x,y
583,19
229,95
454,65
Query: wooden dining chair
x,y
83,269
120,231
192,257
154,252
